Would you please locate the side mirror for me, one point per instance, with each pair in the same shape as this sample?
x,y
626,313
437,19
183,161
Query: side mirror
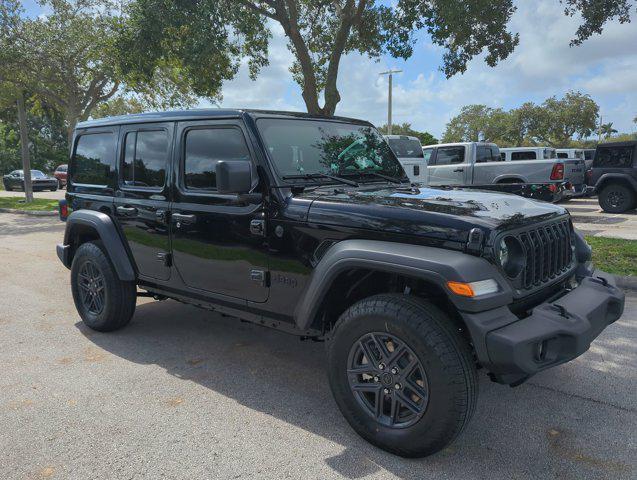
x,y
234,176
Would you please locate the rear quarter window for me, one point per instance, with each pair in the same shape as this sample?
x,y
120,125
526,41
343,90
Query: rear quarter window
x,y
616,157
93,159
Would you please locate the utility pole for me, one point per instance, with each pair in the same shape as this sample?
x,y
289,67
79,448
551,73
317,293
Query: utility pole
x,y
599,130
391,75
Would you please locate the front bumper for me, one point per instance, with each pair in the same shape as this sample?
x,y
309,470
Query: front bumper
x,y
554,332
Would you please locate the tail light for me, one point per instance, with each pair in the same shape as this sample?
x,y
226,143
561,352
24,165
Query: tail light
x,y
552,188
558,172
64,210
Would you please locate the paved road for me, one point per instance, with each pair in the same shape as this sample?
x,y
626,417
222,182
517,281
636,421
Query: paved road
x,y
592,220
186,394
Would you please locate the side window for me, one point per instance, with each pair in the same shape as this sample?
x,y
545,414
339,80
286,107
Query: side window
x,y
487,154
427,155
204,147
93,159
618,157
562,155
503,156
145,156
450,155
523,155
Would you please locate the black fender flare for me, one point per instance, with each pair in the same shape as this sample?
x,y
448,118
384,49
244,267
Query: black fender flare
x,y
433,264
106,230
615,177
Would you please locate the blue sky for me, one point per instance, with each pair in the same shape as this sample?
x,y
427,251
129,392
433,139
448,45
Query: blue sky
x,y
543,65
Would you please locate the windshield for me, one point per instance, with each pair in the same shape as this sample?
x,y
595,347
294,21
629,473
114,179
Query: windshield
x,y
406,147
305,147
37,174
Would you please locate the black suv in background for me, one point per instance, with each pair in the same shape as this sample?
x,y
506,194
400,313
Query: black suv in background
x,y
614,176
310,225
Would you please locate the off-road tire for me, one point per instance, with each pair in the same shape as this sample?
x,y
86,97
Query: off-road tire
x,y
444,354
617,198
119,296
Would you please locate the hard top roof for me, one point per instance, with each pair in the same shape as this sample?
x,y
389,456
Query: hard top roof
x,y
202,114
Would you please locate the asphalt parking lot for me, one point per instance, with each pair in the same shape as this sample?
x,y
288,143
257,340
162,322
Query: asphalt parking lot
x,y
186,394
592,220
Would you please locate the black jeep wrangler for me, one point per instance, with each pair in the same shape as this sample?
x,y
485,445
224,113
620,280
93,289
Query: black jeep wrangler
x,y
614,176
310,225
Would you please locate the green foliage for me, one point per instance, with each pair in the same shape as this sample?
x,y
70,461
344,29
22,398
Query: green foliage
x,y
425,138
556,122
207,39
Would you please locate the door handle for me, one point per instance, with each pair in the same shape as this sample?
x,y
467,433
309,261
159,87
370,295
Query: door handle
x,y
182,218
459,170
126,211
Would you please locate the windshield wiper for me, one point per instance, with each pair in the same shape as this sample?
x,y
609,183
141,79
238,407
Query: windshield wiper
x,y
380,175
310,176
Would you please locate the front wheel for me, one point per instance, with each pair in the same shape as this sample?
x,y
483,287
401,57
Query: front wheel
x,y
104,302
401,374
616,198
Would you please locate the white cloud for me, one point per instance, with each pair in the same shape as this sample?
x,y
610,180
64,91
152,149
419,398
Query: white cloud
x,y
542,65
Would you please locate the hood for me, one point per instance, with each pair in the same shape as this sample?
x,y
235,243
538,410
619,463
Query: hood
x,y
445,213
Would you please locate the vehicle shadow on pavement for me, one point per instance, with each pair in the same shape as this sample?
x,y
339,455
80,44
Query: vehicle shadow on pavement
x,y
525,432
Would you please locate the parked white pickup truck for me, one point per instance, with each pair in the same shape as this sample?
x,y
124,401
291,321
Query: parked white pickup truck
x,y
478,163
409,152
573,164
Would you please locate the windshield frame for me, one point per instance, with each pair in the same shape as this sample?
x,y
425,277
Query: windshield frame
x,y
360,176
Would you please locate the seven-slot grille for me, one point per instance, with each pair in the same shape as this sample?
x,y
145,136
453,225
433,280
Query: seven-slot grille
x,y
548,253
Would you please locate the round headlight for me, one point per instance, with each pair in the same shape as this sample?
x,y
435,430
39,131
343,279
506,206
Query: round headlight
x,y
511,256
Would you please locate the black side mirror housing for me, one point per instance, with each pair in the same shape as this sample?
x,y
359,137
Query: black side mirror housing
x,y
234,176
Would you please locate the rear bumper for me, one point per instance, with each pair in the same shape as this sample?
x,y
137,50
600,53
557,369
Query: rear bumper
x,y
554,333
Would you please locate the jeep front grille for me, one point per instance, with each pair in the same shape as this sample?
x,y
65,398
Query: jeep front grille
x,y
548,253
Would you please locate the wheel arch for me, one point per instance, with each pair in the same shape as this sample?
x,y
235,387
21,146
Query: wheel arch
x,y
89,225
353,269
615,178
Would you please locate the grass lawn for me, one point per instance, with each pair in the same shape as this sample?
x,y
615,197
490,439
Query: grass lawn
x,y
37,204
614,255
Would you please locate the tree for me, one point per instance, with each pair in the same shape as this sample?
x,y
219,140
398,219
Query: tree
x,y
14,82
209,38
606,130
555,122
71,56
575,114
425,138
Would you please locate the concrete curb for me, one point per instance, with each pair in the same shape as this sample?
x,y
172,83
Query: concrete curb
x,y
627,283
35,213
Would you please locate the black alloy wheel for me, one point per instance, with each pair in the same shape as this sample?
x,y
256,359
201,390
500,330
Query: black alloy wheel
x,y
388,380
92,287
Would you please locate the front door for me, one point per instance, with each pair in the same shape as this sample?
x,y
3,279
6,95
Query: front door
x,y
141,200
449,166
218,241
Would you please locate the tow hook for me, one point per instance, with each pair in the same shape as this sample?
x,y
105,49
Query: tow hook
x,y
561,309
601,280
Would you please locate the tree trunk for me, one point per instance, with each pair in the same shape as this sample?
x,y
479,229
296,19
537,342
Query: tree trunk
x,y
71,122
24,148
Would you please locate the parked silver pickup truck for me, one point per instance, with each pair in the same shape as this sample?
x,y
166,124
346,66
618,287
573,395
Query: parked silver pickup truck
x,y
574,163
478,163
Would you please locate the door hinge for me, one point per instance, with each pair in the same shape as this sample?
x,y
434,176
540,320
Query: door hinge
x,y
166,258
257,227
260,276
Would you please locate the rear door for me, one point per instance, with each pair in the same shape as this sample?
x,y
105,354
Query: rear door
x,y
218,241
142,196
451,166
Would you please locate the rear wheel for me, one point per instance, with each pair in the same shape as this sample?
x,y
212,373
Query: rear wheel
x,y
616,198
104,302
401,375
